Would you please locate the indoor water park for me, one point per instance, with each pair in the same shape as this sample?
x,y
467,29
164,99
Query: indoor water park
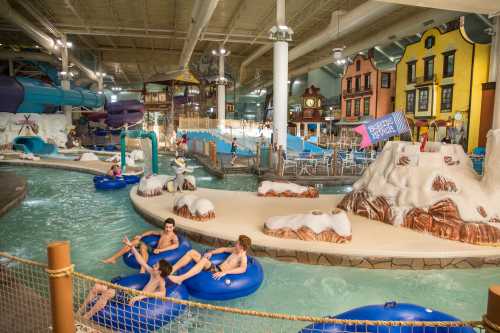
x,y
250,166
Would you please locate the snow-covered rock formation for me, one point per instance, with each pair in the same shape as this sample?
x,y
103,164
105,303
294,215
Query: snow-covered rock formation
x,y
89,157
192,207
281,189
434,191
151,186
332,227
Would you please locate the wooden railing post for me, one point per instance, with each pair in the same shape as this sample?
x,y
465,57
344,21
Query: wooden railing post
x,y
60,272
492,317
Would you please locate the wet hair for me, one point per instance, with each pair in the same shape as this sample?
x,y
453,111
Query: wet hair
x,y
165,268
169,221
245,242
234,139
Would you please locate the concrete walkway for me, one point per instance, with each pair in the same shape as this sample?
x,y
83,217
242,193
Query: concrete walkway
x,y
374,244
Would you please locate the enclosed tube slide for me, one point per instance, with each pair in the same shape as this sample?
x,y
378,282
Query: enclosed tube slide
x,y
26,95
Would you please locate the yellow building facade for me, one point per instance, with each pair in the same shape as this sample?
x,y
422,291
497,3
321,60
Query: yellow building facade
x,y
439,85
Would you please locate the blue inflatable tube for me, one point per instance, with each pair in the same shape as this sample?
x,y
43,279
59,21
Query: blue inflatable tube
x,y
171,256
230,286
108,183
147,315
132,179
390,311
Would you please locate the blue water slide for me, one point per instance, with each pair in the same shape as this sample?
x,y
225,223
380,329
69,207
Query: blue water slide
x,y
297,144
34,145
223,147
27,95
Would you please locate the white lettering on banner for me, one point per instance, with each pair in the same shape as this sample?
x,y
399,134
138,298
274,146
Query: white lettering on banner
x,y
381,129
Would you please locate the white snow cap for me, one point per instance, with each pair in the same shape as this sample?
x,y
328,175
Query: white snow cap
x,y
29,157
152,185
116,158
88,157
404,175
267,186
316,221
195,204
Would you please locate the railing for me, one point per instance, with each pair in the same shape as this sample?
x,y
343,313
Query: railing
x,y
421,80
209,123
34,297
356,93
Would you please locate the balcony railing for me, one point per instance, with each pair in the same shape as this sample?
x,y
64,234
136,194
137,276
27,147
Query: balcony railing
x,y
356,93
426,80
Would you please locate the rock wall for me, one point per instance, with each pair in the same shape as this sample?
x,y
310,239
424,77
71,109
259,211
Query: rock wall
x,y
50,127
435,191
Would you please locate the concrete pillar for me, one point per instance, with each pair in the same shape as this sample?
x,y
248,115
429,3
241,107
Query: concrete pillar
x,y
298,129
65,83
221,94
496,55
318,131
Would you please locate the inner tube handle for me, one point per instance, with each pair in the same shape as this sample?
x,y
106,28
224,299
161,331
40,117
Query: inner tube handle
x,y
390,304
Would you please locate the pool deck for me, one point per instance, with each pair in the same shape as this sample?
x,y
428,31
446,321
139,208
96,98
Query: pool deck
x,y
12,191
92,167
374,244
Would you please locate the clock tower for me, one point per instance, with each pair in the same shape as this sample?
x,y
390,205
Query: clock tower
x,y
311,104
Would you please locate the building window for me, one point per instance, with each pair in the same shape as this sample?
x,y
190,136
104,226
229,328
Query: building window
x,y
357,83
357,103
446,98
349,85
366,106
411,72
429,68
367,81
410,101
429,42
348,108
386,80
358,65
448,63
423,99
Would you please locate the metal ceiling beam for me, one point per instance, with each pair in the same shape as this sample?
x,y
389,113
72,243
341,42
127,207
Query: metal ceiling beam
x,y
39,36
385,54
490,7
85,40
406,27
200,16
234,19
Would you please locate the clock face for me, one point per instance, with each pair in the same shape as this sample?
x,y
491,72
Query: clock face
x,y
309,102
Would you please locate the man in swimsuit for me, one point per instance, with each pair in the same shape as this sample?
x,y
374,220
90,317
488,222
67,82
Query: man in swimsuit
x,y
100,294
236,263
168,241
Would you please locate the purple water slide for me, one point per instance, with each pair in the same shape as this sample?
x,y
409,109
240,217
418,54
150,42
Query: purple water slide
x,y
121,106
11,94
119,119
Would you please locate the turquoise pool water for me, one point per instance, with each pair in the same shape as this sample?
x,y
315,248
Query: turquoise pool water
x,y
230,182
64,205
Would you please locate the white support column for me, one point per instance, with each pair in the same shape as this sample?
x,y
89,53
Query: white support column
x,y
281,35
11,67
496,110
221,94
494,51
298,129
65,83
280,90
318,131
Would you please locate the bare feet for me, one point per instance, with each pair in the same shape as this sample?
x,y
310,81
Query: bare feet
x,y
109,261
175,279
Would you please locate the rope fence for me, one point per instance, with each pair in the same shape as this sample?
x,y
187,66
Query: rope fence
x,y
102,306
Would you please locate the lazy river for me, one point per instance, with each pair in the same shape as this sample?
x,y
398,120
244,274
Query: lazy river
x,y
65,205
